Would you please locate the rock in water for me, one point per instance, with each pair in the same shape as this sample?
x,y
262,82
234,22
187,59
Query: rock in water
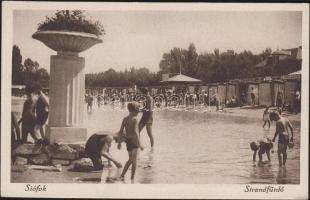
x,y
25,150
61,151
80,149
83,165
20,161
60,162
42,159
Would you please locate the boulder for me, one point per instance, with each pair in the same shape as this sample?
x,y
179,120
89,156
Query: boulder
x,y
41,159
26,150
20,161
82,165
80,149
18,168
60,162
61,151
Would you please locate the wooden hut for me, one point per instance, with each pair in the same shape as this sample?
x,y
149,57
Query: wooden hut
x,y
232,90
212,90
289,90
265,93
277,88
221,91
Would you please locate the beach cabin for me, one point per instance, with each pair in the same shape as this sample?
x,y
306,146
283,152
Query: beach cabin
x,y
221,90
277,86
212,90
232,90
289,90
265,93
252,87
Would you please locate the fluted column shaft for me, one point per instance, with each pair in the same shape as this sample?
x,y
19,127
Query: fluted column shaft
x,y
67,85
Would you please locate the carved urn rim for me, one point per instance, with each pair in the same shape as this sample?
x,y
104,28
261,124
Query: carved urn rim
x,y
41,36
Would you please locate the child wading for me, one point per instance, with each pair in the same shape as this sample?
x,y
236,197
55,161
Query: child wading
x,y
266,117
282,126
262,146
131,126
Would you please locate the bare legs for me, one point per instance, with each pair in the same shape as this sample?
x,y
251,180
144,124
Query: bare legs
x,y
148,130
282,150
266,123
131,161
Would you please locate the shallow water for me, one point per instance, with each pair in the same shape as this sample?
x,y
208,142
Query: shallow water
x,y
195,147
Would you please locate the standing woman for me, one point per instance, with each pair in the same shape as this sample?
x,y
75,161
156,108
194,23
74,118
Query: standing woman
x,y
147,115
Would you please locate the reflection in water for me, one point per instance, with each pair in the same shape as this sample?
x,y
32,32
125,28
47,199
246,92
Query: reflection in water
x,y
282,176
194,147
262,174
147,167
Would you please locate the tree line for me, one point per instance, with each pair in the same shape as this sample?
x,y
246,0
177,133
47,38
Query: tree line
x,y
133,76
27,71
209,67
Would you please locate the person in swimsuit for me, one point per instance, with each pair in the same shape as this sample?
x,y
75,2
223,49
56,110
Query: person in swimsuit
x,y
130,124
266,118
28,119
15,132
282,126
263,146
41,109
147,116
89,100
99,145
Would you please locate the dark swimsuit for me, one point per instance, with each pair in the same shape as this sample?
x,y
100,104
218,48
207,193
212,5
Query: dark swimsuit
x,y
42,114
283,139
93,149
132,143
147,117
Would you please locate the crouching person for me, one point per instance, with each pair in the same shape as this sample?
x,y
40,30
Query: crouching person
x,y
98,145
262,146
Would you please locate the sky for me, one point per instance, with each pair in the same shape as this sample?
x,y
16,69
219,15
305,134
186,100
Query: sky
x,y
140,38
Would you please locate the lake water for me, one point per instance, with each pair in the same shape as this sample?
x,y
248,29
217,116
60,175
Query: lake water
x,y
195,147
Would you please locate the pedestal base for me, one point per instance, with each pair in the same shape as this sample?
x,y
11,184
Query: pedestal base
x,y
66,134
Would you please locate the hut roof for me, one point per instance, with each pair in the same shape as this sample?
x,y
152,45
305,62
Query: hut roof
x,y
180,78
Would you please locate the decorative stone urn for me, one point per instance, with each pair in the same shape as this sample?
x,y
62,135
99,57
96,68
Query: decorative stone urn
x,y
67,84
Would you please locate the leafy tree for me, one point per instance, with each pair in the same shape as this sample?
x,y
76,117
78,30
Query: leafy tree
x,y
30,71
16,66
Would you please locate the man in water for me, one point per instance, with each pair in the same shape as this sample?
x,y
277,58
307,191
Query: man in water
x,y
99,145
282,126
147,115
89,100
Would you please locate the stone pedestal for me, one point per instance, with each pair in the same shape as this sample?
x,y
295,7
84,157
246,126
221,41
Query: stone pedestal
x,y
67,84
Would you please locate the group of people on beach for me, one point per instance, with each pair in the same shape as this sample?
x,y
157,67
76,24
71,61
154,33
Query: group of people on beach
x,y
98,145
34,117
284,132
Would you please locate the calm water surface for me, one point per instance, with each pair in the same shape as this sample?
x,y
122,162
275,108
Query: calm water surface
x,y
195,147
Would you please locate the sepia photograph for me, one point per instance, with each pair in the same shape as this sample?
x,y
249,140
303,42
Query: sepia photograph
x,y
143,94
